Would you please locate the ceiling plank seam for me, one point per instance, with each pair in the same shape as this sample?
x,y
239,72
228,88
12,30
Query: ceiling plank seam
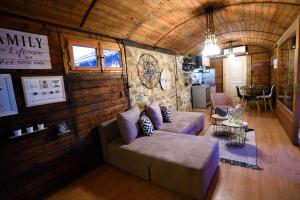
x,y
87,13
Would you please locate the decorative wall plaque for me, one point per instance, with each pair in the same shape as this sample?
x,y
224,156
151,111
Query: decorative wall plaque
x,y
43,90
148,70
165,79
21,50
8,104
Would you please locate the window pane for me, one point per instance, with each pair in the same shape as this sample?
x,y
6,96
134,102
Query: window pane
x,y
112,58
85,56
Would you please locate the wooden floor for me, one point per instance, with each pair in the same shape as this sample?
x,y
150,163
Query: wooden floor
x,y
280,178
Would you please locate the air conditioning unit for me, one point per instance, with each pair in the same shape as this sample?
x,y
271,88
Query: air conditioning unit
x,y
235,50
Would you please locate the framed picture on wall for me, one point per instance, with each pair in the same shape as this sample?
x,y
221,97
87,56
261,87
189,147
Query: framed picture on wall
x,y
23,50
8,104
42,90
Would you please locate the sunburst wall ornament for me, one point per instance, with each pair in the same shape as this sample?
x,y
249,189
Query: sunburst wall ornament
x,y
211,47
148,71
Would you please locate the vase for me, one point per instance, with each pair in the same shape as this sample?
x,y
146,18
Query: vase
x,y
29,129
40,126
18,132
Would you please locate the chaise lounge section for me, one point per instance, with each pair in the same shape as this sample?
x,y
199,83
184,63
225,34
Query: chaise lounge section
x,y
185,123
180,162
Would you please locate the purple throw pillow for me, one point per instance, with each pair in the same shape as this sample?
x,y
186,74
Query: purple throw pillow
x,y
128,123
155,115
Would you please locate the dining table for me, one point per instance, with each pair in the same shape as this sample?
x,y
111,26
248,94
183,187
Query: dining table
x,y
255,90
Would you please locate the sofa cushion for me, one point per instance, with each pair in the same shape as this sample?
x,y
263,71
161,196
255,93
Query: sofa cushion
x,y
155,115
175,148
166,113
146,125
185,123
128,124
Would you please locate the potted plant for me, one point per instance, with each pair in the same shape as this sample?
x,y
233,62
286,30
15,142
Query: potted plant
x,y
187,58
17,131
29,128
40,125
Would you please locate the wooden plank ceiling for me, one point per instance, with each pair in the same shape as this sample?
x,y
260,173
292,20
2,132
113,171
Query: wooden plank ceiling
x,y
178,25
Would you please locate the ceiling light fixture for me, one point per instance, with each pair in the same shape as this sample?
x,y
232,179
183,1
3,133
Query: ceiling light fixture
x,y
211,47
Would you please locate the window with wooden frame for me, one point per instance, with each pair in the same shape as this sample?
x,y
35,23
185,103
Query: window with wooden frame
x,y
112,56
82,54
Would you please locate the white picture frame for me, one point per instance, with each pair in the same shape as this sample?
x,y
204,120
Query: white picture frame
x,y
23,50
41,90
8,105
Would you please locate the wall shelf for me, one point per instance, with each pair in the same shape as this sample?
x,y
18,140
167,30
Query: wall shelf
x,y
64,133
24,134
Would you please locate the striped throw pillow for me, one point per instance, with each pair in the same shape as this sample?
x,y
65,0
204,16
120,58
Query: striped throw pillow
x,y
146,125
166,113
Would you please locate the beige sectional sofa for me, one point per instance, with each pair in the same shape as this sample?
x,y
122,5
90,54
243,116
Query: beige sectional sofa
x,y
172,157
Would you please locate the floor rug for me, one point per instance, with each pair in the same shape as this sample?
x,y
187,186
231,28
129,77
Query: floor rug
x,y
245,157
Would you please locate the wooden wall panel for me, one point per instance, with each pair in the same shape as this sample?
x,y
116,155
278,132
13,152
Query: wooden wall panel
x,y
217,64
260,68
285,117
33,165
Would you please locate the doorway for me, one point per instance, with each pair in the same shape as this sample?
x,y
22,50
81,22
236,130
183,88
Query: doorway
x,y
234,74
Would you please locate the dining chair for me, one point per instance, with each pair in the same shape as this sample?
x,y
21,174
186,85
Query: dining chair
x,y
240,95
246,98
267,98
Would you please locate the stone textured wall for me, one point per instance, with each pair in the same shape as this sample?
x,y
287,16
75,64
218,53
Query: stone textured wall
x,y
139,94
142,96
184,99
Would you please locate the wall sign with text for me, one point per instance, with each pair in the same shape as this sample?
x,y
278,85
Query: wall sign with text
x,y
39,90
22,50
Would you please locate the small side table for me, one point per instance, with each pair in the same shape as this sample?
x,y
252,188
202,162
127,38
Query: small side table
x,y
238,132
219,128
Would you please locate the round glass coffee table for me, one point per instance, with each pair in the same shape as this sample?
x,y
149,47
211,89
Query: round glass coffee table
x,y
237,137
219,128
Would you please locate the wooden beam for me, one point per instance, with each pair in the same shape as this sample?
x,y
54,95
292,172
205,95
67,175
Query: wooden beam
x,y
87,13
59,26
